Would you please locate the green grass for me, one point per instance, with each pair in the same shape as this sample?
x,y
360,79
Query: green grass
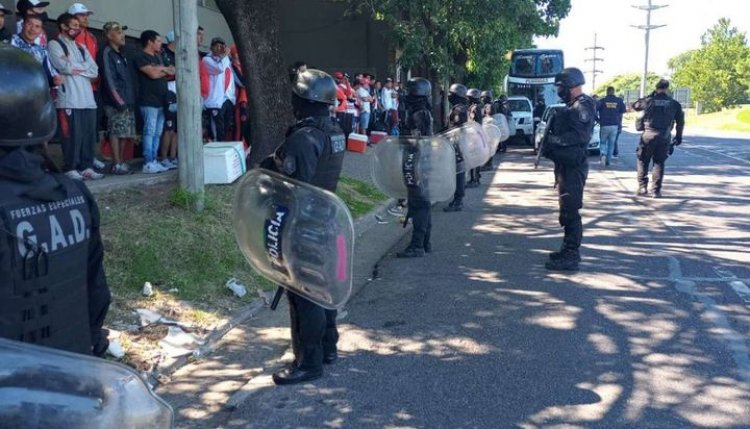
x,y
359,196
733,119
150,235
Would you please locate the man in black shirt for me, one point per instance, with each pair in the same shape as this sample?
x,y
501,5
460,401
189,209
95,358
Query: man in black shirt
x,y
152,81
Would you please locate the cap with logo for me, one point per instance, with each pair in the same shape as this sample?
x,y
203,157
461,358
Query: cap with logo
x,y
217,40
79,9
24,6
113,26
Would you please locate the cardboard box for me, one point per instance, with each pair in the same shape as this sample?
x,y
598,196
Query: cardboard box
x,y
377,136
223,162
357,143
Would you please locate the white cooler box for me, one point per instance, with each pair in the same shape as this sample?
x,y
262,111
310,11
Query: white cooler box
x,y
223,162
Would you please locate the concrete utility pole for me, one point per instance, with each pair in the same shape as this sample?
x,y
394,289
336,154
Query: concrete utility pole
x,y
648,27
594,60
189,132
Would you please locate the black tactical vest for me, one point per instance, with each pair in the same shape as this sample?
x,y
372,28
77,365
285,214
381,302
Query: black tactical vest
x,y
332,158
43,266
659,113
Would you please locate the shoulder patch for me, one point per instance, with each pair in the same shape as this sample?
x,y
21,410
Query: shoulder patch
x,y
338,143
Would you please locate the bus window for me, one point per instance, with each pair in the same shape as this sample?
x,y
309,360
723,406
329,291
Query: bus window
x,y
523,65
549,64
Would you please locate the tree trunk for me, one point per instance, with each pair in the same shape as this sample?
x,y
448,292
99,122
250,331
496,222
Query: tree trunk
x,y
255,27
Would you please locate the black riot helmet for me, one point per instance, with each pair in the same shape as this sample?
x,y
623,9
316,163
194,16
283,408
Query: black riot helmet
x,y
566,80
570,78
27,115
486,94
315,85
419,87
473,93
458,90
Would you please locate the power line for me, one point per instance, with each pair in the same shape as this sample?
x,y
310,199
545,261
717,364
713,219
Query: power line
x,y
594,60
648,27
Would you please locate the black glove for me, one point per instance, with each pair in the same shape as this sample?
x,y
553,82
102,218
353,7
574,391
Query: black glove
x,y
671,149
677,141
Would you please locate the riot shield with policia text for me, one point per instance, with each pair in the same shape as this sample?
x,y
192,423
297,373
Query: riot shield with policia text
x,y
296,235
426,163
42,387
472,141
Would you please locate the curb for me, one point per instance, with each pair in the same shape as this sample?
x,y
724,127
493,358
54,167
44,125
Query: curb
x,y
127,182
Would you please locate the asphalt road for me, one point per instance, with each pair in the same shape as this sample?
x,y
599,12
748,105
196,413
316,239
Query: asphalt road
x,y
654,331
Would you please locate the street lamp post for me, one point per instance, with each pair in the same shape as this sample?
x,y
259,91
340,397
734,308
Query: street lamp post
x,y
648,27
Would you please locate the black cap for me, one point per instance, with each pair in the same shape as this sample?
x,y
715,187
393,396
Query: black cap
x,y
5,10
662,84
24,5
217,40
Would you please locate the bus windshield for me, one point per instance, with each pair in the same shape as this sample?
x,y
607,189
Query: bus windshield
x,y
539,63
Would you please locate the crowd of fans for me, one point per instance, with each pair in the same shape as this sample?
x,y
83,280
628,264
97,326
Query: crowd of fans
x,y
99,85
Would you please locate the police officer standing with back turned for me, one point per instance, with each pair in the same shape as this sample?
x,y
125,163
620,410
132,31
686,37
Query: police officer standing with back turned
x,y
488,108
475,114
313,152
418,123
53,291
458,116
567,147
660,112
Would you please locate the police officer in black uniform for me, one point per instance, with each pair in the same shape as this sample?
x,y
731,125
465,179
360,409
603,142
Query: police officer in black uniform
x,y
567,147
475,114
458,116
53,291
660,113
501,106
313,152
418,123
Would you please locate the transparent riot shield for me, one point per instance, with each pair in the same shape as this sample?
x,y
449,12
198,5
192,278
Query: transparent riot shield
x,y
425,164
42,387
472,141
493,133
296,235
501,121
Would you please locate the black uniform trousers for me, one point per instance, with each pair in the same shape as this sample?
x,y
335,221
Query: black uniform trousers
x,y
458,196
475,174
420,212
571,181
654,146
314,332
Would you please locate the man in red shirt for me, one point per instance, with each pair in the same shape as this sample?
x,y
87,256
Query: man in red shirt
x,y
344,92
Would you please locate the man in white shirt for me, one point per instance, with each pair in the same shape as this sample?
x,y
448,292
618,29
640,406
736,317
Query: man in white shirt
x,y
389,101
222,94
364,101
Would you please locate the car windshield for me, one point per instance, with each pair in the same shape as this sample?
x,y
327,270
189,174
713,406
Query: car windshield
x,y
519,106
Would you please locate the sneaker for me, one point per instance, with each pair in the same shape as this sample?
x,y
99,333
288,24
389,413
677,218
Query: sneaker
x,y
642,191
99,165
153,167
175,163
167,165
90,174
121,169
73,174
410,252
396,211
657,194
615,156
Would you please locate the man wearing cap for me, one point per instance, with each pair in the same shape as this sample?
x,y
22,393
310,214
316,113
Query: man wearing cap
x,y
222,93
659,114
117,93
168,148
5,35
75,100
32,7
85,38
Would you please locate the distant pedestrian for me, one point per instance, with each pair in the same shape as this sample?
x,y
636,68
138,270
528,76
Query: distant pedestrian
x,y
609,111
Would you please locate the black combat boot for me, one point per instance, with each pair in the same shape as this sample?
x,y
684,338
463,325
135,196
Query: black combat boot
x,y
454,206
642,191
567,260
427,247
657,194
300,372
410,252
557,255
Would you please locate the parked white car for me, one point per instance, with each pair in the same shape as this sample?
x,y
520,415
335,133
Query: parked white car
x,y
523,118
594,143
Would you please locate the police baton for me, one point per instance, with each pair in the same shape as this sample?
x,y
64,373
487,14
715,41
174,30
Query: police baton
x,y
277,298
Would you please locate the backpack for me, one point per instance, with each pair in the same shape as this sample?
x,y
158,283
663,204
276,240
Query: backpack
x,y
65,47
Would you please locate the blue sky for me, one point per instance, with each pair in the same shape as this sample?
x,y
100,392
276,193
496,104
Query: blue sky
x,y
686,21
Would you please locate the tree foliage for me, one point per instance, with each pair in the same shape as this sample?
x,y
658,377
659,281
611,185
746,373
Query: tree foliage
x,y
718,71
466,39
626,82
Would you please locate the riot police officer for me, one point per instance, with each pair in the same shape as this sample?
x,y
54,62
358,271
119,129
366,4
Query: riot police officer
x,y
458,116
488,109
475,114
567,147
660,112
501,106
53,291
313,152
418,123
